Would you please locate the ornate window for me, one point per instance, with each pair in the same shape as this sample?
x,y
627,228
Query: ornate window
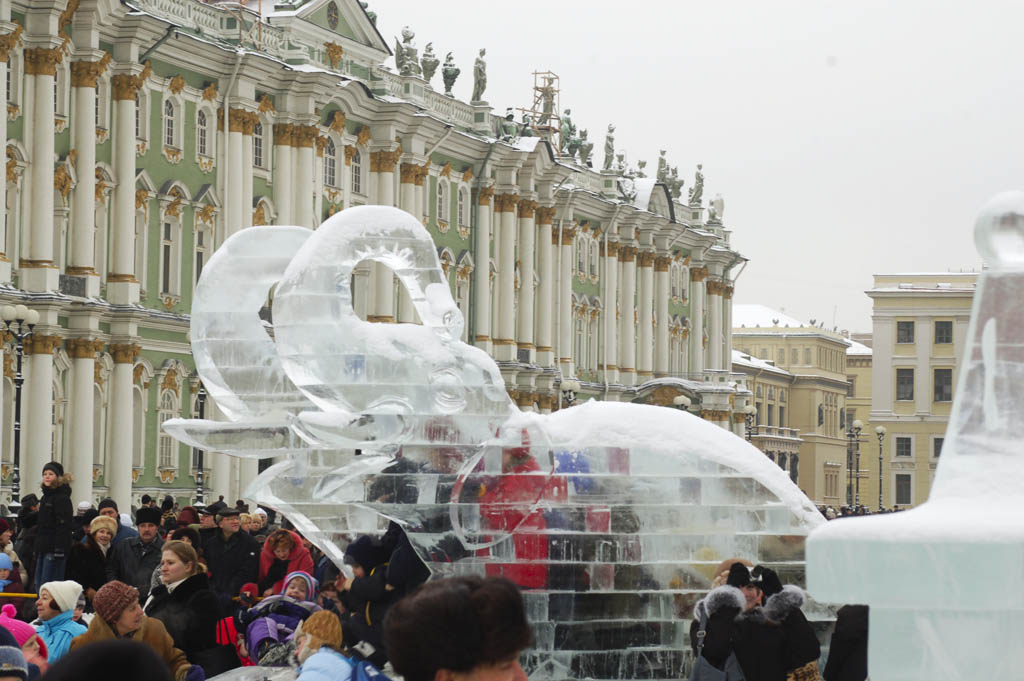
x,y
169,124
331,164
442,201
170,275
463,200
202,246
166,445
357,172
257,145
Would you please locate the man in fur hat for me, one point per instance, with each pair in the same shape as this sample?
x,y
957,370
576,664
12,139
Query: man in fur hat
x,y
134,560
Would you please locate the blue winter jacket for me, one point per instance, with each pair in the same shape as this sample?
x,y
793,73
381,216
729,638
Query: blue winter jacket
x,y
57,634
325,665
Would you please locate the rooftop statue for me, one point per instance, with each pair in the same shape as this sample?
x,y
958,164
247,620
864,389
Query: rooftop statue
x,y
675,183
586,148
479,77
449,72
547,97
662,166
406,54
718,203
609,147
372,15
697,190
568,132
640,165
611,516
429,62
526,130
508,128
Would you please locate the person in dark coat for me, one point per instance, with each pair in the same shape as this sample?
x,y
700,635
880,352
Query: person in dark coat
x,y
189,609
848,651
232,558
88,562
366,597
801,649
134,560
53,534
719,610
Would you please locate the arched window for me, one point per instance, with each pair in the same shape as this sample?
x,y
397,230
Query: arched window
x,y
170,261
169,124
331,164
442,201
257,145
202,250
357,172
166,445
202,134
462,208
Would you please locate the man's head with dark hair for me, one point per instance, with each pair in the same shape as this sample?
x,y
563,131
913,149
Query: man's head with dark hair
x,y
457,625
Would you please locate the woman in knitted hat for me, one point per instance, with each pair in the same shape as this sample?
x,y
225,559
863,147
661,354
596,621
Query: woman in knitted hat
x,y
318,649
88,562
56,607
32,646
119,615
189,609
53,533
12,660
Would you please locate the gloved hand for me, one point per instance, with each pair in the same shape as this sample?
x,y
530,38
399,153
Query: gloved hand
x,y
195,673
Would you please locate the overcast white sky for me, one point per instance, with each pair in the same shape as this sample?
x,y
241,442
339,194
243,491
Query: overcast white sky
x,y
848,138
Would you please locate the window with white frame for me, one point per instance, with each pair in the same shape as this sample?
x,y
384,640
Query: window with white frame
x,y
166,445
169,260
202,254
141,239
581,345
463,202
904,489
258,145
442,201
12,74
357,172
331,164
593,257
202,133
170,120
138,116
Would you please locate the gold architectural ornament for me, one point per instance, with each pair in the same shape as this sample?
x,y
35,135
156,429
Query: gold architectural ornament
x,y
41,61
10,41
173,209
169,301
467,174
259,216
303,136
283,134
87,73
62,180
446,170
8,365
568,234
422,172
527,208
66,16
266,104
383,161
38,344
205,164
407,173
205,214
101,135
627,253
126,86
506,203
684,334
96,472
141,196
168,475
101,187
646,259
662,263
364,136
170,381
12,166
334,52
686,261
173,155
350,153
545,215
177,84
337,123
83,348
727,292
210,92
321,145
484,195
714,414
332,209
698,273
136,372
13,111
140,148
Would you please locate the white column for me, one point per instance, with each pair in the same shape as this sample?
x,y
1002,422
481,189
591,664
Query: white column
x,y
644,360
5,258
727,325
283,173
408,200
234,213
565,337
382,165
482,273
248,469
118,471
122,286
505,207
247,163
220,464
37,409
546,287
79,454
714,358
696,339
82,258
527,252
627,319
661,293
610,353
38,272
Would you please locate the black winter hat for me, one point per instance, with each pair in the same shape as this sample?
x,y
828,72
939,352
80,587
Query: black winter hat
x,y
111,660
107,503
55,467
147,514
366,553
167,504
767,579
739,576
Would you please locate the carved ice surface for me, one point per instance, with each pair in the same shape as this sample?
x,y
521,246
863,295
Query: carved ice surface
x,y
943,580
611,516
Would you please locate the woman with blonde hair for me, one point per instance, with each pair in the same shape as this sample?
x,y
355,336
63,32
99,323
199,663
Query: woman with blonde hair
x,y
87,564
189,609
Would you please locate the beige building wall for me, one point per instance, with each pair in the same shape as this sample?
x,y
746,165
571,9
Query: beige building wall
x,y
858,407
919,326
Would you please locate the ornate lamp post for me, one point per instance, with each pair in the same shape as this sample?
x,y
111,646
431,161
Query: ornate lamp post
x,y
748,416
19,321
852,452
200,474
569,390
880,432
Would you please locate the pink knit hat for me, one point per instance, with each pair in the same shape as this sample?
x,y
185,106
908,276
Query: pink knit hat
x,y
22,631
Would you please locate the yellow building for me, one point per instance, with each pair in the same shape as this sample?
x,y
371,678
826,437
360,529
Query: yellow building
x,y
919,330
858,408
813,401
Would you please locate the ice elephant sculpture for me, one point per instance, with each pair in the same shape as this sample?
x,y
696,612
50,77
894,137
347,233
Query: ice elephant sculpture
x,y
942,579
611,516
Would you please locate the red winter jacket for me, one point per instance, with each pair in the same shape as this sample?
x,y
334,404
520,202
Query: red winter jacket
x,y
298,559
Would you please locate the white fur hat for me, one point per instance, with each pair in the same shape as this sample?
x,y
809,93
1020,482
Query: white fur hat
x,y
65,593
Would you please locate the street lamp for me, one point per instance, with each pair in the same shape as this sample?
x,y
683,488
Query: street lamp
x,y
201,400
880,432
852,454
681,402
19,321
748,416
569,390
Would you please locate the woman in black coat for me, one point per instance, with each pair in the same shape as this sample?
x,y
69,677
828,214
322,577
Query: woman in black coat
x,y
88,562
848,653
190,610
53,533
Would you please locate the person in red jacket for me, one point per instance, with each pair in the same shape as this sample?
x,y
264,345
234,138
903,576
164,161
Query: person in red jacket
x,y
283,553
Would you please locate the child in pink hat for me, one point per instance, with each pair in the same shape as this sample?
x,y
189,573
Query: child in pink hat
x,y
32,646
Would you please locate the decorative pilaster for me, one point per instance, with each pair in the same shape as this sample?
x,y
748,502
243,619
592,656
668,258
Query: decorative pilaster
x,y
505,239
249,121
715,342
119,464
482,273
727,292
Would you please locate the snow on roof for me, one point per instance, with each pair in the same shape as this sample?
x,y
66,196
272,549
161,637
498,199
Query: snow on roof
x,y
744,359
644,188
857,348
753,315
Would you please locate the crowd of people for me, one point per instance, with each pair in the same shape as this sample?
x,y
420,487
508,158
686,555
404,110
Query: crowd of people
x,y
205,590
831,513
